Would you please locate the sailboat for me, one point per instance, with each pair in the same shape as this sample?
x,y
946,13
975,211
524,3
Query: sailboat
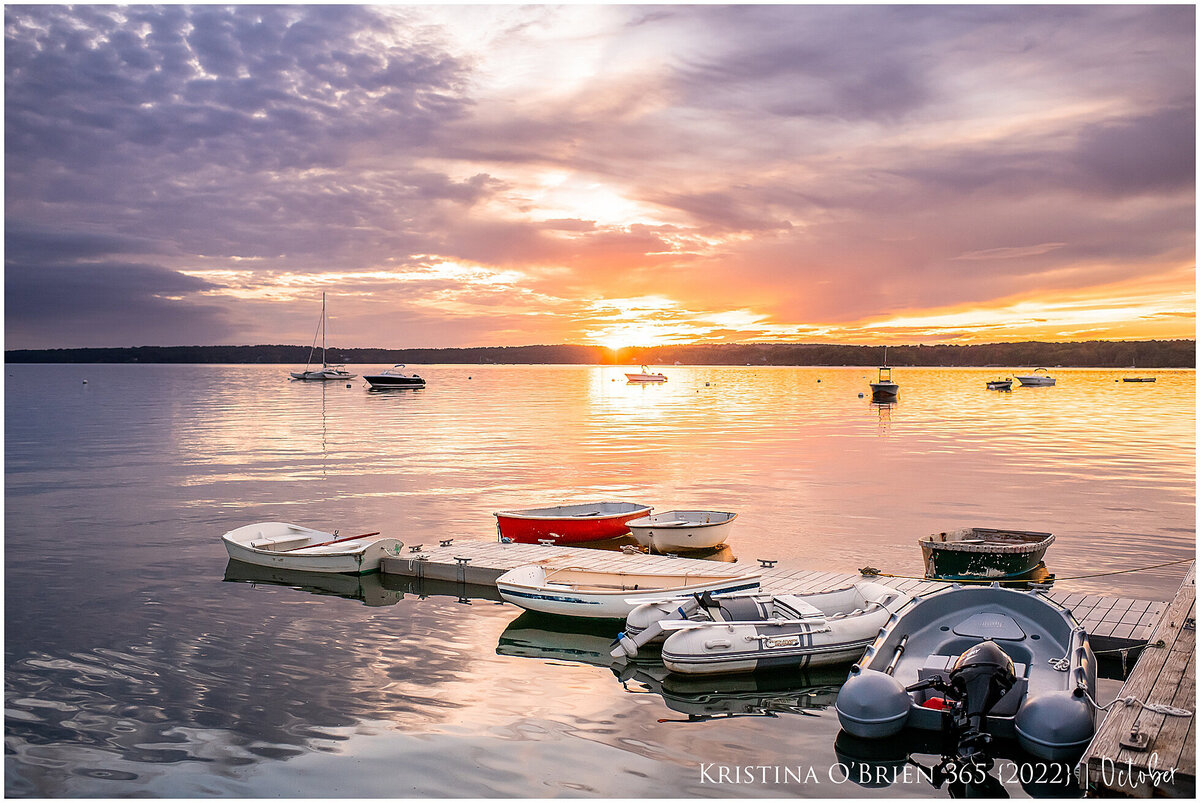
x,y
326,371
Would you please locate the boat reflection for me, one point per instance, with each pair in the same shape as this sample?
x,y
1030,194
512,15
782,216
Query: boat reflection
x,y
366,588
913,757
753,695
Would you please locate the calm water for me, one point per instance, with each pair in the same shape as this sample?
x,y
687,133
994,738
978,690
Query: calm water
x,y
136,665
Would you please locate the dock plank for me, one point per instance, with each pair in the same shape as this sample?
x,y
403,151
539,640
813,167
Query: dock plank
x,y
1164,674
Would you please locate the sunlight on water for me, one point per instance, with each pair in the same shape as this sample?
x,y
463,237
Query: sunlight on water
x,y
139,663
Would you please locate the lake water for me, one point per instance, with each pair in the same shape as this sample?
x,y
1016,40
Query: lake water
x,y
137,665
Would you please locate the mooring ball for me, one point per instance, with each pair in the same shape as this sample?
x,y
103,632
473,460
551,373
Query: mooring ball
x,y
872,705
1055,726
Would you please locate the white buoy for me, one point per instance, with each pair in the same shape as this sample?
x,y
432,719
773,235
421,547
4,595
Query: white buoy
x,y
85,381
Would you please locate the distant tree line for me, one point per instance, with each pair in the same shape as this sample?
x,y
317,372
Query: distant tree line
x,y
1089,354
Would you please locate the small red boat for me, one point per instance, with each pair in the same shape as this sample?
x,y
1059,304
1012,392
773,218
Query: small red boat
x,y
569,524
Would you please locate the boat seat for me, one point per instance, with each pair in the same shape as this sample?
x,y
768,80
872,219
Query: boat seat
x,y
275,544
989,625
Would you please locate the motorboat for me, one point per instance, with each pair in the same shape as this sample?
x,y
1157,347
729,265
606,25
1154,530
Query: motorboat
x,y
883,389
999,384
983,553
1138,379
977,663
394,378
1040,377
682,530
326,372
289,546
736,633
569,524
646,376
599,594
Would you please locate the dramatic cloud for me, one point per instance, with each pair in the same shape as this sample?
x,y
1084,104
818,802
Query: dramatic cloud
x,y
502,175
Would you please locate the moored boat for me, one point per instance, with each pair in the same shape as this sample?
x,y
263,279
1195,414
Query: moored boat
x,y
646,376
1039,378
1138,379
978,663
883,389
597,594
983,553
736,633
393,378
326,372
682,530
569,524
289,546
999,384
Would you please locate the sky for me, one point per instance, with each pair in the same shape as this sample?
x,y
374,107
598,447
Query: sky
x,y
615,175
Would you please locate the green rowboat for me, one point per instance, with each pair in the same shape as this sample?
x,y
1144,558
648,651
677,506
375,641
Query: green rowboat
x,y
983,553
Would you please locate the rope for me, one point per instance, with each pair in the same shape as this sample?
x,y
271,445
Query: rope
x,y
1157,708
868,571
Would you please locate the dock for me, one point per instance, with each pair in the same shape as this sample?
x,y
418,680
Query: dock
x,y
1112,623
1139,752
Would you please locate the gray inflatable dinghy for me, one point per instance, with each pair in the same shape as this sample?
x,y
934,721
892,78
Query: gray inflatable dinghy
x,y
733,633
989,661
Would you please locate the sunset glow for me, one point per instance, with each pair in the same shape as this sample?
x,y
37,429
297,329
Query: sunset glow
x,y
609,175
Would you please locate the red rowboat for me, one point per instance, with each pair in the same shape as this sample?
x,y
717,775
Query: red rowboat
x,y
569,524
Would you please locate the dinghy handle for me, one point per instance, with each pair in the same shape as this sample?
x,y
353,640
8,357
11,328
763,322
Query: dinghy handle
x,y
891,667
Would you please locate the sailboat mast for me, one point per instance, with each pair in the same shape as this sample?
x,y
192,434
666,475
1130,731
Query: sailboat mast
x,y
324,362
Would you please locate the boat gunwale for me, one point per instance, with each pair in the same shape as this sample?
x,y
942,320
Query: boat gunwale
x,y
539,513
928,542
681,524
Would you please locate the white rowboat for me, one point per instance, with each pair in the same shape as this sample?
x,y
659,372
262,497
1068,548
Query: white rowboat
x,y
290,546
597,594
682,530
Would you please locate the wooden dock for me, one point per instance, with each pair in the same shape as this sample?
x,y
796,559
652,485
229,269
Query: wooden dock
x,y
1165,762
1112,623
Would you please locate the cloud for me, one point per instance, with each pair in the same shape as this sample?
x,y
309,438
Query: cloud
x,y
815,165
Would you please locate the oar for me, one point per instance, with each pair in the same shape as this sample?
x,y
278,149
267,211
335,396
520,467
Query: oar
x,y
327,543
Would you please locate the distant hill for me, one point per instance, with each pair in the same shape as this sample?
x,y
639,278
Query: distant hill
x,y
1090,354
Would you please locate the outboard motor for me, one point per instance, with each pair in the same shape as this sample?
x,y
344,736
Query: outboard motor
x,y
980,678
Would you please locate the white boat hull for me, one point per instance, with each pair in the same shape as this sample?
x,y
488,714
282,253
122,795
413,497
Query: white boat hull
x,y
645,377
885,390
329,375
530,587
1035,381
682,530
290,546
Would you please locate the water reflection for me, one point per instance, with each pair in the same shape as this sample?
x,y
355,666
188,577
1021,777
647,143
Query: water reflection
x,y
139,662
367,588
917,757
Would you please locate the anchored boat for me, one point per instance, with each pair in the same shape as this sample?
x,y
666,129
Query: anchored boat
x,y
682,530
569,524
999,384
983,553
393,378
595,594
707,635
977,663
646,376
290,546
326,372
1039,378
